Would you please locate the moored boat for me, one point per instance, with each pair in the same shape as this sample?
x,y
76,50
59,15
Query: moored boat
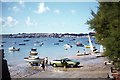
x,y
14,49
1,45
22,44
60,40
26,40
56,43
33,51
87,46
67,46
79,44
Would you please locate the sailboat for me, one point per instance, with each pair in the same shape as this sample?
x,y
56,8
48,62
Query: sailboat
x,y
93,49
91,46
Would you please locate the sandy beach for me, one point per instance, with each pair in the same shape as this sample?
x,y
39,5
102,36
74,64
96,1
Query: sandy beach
x,y
90,67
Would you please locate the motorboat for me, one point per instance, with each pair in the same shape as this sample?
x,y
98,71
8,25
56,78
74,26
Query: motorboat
x,y
87,46
60,40
67,46
79,54
1,45
79,44
33,59
83,53
37,41
56,43
38,44
14,49
33,51
26,40
22,44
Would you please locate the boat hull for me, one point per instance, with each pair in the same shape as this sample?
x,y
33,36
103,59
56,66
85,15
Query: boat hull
x,y
33,60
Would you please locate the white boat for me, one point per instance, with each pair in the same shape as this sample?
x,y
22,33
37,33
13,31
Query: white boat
x,y
67,46
14,49
22,44
1,45
33,51
82,54
33,59
79,54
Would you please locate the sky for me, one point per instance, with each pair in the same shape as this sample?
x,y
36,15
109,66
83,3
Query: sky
x,y
46,17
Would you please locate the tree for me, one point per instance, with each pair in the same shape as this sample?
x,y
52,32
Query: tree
x,y
106,24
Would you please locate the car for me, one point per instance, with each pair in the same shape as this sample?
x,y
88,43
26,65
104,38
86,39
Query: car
x,y
70,62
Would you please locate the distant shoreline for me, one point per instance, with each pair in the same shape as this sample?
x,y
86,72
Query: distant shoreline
x,y
48,35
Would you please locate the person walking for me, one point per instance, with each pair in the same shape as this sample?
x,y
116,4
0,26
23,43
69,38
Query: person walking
x,y
43,65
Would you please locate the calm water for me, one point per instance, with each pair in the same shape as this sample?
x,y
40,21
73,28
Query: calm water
x,y
48,49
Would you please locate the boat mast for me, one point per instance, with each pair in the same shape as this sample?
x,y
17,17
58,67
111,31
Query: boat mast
x,y
91,46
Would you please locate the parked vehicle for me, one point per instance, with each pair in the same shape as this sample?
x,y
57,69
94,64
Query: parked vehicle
x,y
70,62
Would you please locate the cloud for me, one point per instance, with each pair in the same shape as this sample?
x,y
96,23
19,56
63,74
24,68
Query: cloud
x,y
56,11
30,22
11,21
73,11
42,8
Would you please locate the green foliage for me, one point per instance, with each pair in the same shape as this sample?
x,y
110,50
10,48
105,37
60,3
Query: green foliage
x,y
106,23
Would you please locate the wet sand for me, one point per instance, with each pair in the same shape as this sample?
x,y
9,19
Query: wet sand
x,y
90,67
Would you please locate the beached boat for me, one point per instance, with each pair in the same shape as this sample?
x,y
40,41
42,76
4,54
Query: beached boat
x,y
33,51
79,54
14,49
33,59
82,54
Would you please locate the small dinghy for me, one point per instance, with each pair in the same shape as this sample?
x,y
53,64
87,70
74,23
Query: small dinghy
x,y
14,49
67,46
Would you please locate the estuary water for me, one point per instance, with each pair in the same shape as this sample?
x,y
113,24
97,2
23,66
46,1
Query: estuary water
x,y
48,49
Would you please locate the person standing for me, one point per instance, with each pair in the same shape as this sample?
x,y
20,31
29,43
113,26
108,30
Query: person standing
x,y
64,63
43,65
46,60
